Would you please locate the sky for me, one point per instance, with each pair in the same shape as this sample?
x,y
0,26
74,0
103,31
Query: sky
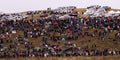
x,y
14,6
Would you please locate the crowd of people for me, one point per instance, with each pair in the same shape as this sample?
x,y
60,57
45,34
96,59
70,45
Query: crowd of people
x,y
56,30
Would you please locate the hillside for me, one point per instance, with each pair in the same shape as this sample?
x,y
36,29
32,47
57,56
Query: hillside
x,y
88,42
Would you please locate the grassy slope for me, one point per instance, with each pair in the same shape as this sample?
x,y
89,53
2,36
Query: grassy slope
x,y
100,44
